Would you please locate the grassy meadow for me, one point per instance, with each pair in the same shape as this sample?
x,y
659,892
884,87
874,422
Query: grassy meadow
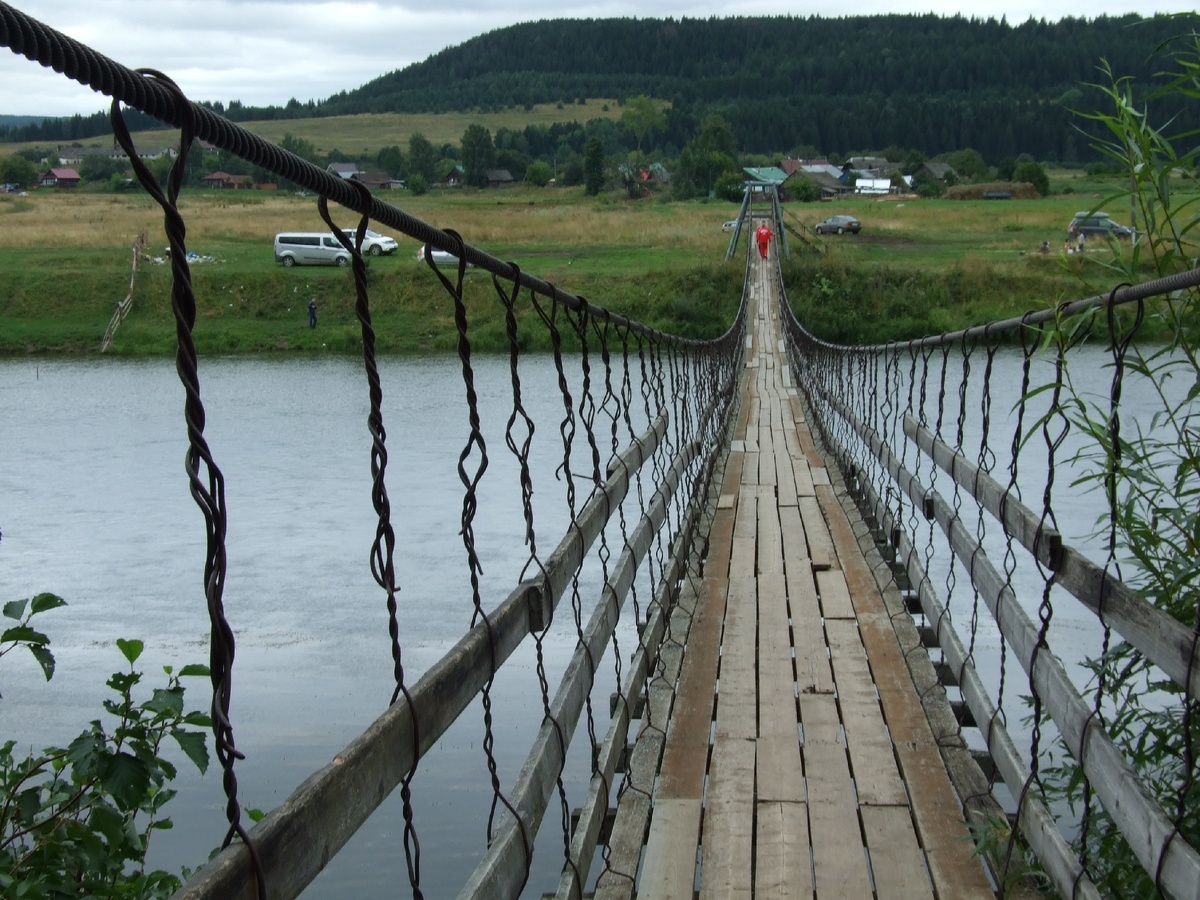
x,y
368,133
919,266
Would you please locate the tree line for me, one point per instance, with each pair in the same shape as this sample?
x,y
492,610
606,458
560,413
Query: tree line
x,y
925,82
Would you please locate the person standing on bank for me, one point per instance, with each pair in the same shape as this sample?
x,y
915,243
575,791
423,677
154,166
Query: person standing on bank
x,y
312,312
763,236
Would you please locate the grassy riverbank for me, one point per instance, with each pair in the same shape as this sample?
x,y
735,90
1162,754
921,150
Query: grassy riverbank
x,y
919,266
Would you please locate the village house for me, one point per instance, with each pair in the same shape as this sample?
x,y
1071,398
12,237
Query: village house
x,y
828,179
499,177
60,178
344,169
225,181
73,156
378,181
934,170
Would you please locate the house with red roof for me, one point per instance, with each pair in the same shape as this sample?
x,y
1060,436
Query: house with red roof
x,y
60,178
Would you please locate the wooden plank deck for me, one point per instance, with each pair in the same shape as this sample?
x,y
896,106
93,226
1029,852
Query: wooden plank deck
x,y
798,761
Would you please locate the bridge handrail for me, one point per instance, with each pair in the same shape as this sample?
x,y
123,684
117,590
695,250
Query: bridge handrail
x,y
502,871
1163,639
1158,845
297,839
870,424
1043,834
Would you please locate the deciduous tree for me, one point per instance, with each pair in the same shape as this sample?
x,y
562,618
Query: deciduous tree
x,y
478,155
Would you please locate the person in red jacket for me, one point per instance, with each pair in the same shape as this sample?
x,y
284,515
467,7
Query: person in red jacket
x,y
763,235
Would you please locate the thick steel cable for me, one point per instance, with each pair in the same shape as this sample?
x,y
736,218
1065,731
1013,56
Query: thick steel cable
x,y
206,482
383,548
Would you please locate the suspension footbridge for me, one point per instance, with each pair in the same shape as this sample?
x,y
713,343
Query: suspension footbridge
x,y
815,595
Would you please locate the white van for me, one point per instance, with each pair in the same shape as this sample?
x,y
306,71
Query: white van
x,y
310,248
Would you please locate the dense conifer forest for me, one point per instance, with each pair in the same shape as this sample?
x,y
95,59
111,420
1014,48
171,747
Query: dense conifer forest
x,y
923,82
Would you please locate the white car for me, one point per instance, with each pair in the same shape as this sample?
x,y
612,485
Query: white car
x,y
373,242
441,257
730,225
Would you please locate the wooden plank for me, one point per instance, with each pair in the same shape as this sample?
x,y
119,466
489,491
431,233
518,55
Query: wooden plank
x,y
780,768
745,527
839,858
766,456
720,544
795,541
813,672
750,468
769,537
634,809
629,829
669,868
935,804
835,595
955,870
876,777
783,861
737,700
820,545
785,475
777,712
896,859
686,757
733,473
802,474
727,853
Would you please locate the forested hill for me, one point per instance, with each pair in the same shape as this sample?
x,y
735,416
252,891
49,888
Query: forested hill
x,y
718,60
836,85
925,82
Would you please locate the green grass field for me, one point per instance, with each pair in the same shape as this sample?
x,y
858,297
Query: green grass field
x,y
918,266
366,134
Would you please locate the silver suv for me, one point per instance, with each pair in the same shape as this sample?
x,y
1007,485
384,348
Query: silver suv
x,y
1097,224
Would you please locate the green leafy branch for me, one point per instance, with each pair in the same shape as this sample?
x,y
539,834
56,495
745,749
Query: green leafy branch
x,y
77,820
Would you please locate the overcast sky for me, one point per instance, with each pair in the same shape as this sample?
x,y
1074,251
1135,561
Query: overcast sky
x,y
265,52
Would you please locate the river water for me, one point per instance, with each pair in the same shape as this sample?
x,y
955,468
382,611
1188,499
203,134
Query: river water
x,y
94,506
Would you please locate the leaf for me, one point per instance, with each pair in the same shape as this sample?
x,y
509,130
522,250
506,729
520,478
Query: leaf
x,y
24,634
166,701
131,649
15,609
108,822
45,659
44,602
194,669
29,804
126,779
195,745
84,752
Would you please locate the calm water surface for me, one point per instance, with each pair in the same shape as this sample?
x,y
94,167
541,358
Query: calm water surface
x,y
94,506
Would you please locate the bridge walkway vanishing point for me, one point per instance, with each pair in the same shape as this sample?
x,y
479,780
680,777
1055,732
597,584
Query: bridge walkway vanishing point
x,y
798,757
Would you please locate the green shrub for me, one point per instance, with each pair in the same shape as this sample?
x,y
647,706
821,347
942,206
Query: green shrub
x,y
76,821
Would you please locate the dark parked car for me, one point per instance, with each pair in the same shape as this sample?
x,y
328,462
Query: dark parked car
x,y
1097,224
839,225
